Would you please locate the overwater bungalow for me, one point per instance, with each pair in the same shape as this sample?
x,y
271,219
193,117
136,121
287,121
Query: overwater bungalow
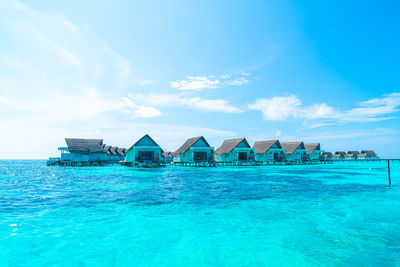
x,y
145,150
328,155
315,153
234,150
367,154
295,151
351,155
269,151
338,155
80,150
195,149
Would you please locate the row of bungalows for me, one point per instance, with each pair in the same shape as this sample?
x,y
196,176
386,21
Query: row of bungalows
x,y
146,151
351,155
81,151
198,149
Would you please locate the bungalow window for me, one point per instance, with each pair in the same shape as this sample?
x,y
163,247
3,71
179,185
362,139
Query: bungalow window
x,y
200,156
145,155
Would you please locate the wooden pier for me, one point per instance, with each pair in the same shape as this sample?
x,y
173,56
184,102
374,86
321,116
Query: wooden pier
x,y
244,163
195,164
59,162
146,165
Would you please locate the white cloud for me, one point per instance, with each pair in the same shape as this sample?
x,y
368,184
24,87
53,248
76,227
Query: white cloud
x,y
284,107
238,81
179,100
198,83
195,83
147,112
277,107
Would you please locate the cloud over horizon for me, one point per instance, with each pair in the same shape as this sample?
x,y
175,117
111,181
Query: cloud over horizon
x,y
281,108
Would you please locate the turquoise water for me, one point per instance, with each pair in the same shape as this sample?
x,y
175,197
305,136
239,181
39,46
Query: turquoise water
x,y
325,215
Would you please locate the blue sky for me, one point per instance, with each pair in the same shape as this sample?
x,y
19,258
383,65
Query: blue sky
x,y
315,71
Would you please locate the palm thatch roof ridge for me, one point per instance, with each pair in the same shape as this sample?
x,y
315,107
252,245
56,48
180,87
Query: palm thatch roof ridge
x,y
82,145
312,147
369,153
292,146
261,147
228,145
189,143
121,151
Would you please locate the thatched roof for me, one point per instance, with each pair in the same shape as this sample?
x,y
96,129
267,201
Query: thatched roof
x,y
189,143
328,154
107,150
121,151
292,146
370,153
312,147
339,154
168,154
81,145
228,145
261,147
113,150
355,153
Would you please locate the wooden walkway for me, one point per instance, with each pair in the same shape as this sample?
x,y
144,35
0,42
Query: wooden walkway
x,y
244,163
59,162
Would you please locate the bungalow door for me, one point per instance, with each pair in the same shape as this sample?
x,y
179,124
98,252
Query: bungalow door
x,y
200,156
242,156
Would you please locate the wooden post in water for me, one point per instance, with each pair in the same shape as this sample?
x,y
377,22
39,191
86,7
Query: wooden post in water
x,y
390,181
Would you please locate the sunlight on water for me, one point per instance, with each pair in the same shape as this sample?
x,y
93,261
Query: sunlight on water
x,y
337,215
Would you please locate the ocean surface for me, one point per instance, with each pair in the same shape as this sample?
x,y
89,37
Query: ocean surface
x,y
341,214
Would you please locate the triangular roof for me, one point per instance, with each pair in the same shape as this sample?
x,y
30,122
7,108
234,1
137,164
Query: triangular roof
x,y
113,150
144,136
261,147
312,147
328,154
107,150
369,152
121,151
340,153
292,146
168,154
81,145
354,152
189,143
228,145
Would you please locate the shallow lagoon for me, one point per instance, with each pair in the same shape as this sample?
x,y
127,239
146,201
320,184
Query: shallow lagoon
x,y
323,215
